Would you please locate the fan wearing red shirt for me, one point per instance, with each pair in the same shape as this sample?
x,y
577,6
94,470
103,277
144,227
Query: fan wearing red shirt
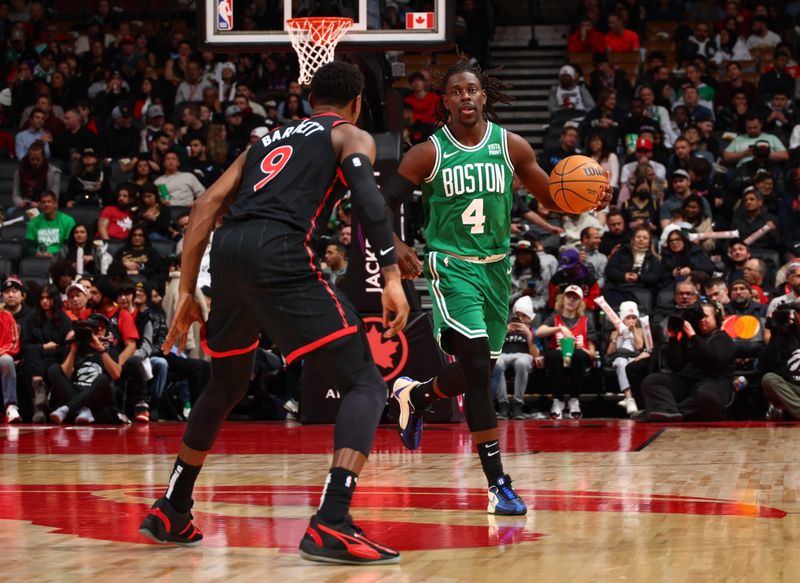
x,y
9,348
586,39
619,39
422,101
116,222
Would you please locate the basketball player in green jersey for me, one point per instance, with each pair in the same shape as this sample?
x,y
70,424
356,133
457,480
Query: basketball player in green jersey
x,y
465,170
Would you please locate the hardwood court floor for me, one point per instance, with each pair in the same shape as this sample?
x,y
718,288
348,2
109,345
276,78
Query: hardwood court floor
x,y
608,500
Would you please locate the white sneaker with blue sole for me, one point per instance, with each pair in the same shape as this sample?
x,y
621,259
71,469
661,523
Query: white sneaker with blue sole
x,y
410,422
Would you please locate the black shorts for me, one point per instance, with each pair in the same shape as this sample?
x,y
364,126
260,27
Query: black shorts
x,y
264,277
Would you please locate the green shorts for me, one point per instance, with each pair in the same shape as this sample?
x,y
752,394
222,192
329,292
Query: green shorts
x,y
471,298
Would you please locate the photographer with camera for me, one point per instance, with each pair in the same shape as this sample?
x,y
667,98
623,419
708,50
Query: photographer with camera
x,y
124,337
782,383
701,359
83,382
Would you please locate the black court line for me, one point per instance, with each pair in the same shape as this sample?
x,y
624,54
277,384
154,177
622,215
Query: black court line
x,y
650,440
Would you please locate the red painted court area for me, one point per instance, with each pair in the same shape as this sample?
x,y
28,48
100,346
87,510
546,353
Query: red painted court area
x,y
91,511
401,512
281,438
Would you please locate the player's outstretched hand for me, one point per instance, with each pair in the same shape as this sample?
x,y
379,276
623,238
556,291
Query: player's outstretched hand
x,y
407,260
608,194
187,313
394,302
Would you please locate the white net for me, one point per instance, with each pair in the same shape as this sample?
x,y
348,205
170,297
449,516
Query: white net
x,y
314,40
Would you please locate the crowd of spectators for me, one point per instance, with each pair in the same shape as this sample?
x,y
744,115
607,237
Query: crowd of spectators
x,y
691,108
114,128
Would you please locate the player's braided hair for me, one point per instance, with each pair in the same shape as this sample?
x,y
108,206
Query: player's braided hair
x,y
494,90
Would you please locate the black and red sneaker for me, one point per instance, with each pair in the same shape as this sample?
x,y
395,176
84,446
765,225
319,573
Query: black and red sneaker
x,y
165,525
343,543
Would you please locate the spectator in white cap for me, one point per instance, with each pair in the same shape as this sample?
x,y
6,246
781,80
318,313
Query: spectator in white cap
x,y
625,346
566,375
226,81
257,133
568,94
519,352
77,298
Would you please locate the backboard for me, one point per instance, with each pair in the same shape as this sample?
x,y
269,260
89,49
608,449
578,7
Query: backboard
x,y
247,25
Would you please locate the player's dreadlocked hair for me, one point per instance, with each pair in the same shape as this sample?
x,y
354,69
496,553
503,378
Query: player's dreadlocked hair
x,y
337,83
494,90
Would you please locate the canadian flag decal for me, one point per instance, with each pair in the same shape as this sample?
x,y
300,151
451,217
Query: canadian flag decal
x,y
423,20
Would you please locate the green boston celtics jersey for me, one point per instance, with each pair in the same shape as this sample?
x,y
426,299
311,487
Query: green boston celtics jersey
x,y
467,198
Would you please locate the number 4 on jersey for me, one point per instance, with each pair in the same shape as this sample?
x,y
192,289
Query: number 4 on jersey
x,y
272,164
473,215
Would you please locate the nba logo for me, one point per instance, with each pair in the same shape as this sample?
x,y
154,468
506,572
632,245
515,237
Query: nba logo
x,y
225,14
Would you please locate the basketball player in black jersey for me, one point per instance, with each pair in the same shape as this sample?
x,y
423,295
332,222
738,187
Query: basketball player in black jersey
x,y
277,197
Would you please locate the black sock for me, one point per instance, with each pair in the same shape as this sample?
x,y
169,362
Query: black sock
x,y
336,495
181,484
489,452
423,395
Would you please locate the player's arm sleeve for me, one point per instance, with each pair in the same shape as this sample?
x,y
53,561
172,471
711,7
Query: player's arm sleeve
x,y
397,190
376,218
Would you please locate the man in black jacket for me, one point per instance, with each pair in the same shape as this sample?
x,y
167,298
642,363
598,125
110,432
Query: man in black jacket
x,y
701,360
617,233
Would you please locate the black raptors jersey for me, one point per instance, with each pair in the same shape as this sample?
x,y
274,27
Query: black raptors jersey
x,y
291,176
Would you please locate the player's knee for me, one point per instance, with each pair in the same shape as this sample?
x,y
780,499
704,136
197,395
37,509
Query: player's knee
x,y
473,353
369,385
230,376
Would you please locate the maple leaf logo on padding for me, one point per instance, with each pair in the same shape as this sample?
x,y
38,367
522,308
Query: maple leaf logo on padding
x,y
383,350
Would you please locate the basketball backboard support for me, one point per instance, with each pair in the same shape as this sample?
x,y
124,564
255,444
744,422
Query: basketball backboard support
x,y
247,25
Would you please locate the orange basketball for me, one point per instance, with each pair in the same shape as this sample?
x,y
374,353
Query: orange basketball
x,y
576,184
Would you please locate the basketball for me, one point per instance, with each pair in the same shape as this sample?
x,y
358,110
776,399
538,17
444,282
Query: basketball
x,y
576,184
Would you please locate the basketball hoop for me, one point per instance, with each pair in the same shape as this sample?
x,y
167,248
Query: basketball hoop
x,y
314,40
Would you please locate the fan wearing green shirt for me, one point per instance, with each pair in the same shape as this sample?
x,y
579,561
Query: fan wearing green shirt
x,y
49,230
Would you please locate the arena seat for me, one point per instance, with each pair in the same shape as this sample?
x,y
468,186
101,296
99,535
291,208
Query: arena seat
x,y
12,249
164,248
87,215
6,266
35,266
15,232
